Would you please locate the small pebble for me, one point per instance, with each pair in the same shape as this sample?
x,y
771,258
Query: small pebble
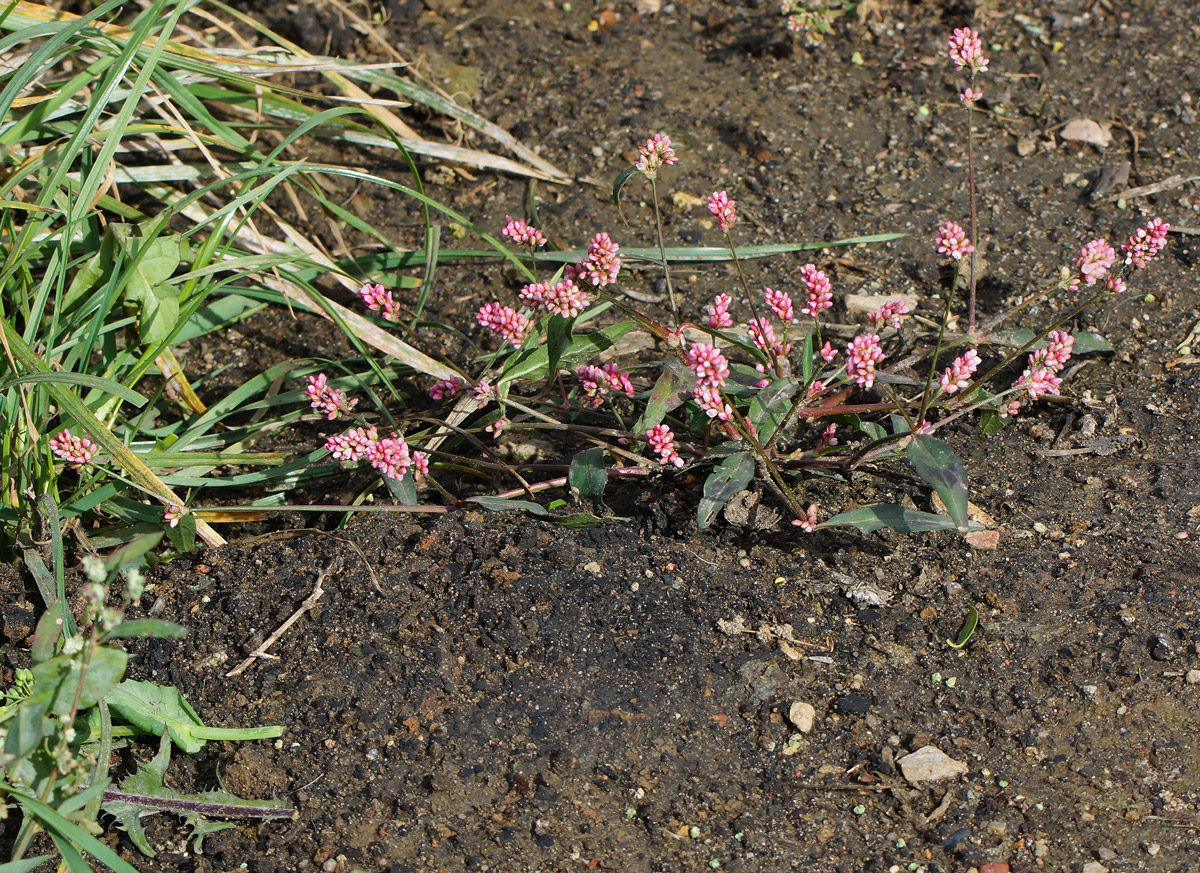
x,y
1193,677
802,715
1153,849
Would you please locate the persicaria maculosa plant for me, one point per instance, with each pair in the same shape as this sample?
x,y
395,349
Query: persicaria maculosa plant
x,y
760,386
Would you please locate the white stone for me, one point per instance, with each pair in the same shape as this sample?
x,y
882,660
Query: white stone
x,y
802,716
928,764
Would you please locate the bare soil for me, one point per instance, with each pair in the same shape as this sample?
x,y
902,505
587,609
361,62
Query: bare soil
x,y
507,694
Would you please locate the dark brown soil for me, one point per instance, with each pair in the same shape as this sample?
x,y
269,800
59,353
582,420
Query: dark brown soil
x,y
506,694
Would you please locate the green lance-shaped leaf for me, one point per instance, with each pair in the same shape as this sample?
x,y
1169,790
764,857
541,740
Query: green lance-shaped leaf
x,y
155,708
769,407
898,518
56,682
732,476
936,463
588,474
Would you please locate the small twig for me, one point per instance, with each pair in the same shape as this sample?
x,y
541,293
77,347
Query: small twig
x,y
332,567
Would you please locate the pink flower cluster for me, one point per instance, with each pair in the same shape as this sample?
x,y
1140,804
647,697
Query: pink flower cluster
x,y
966,50
970,97
780,302
807,524
820,293
1145,243
1094,261
379,299
76,451
330,401
1040,376
723,208
505,322
174,514
718,312
657,152
444,389
711,369
1056,353
602,263
862,354
563,298
391,456
662,442
958,375
521,233
598,381
951,240
889,313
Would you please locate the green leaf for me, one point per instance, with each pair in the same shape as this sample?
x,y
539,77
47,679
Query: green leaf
x,y
95,268
806,357
898,518
47,633
588,474
533,363
582,520
622,179
968,629
1085,341
871,429
673,387
155,708
732,476
146,287
769,407
57,680
182,536
146,627
24,865
27,729
990,423
558,342
52,821
936,463
505,504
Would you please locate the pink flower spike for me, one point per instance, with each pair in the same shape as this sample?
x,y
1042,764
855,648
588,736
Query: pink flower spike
x,y
1114,284
889,313
353,444
378,299
174,513
566,299
390,456
521,233
76,451
951,240
718,312
820,294
862,354
505,322
708,398
602,263
809,522
958,375
657,152
723,208
1038,382
662,443
444,389
970,97
762,334
710,366
330,401
1094,260
498,426
828,352
966,50
420,466
1009,409
780,302
828,437
1145,243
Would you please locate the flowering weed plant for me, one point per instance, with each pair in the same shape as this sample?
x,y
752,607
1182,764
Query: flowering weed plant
x,y
759,387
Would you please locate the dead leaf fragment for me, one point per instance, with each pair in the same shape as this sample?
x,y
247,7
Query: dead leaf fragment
x,y
929,764
1087,131
984,540
684,200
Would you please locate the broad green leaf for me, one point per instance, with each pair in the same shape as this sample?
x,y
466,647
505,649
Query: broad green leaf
x,y
47,634
990,423
533,363
851,419
769,407
146,287
732,476
505,504
936,463
806,357
155,708
588,474
26,730
24,865
1085,341
57,680
673,387
91,271
146,627
558,342
183,536
898,518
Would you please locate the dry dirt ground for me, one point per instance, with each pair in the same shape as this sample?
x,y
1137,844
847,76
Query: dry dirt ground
x,y
505,694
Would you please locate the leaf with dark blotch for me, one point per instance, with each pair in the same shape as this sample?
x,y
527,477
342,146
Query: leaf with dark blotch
x,y
936,463
588,475
732,476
